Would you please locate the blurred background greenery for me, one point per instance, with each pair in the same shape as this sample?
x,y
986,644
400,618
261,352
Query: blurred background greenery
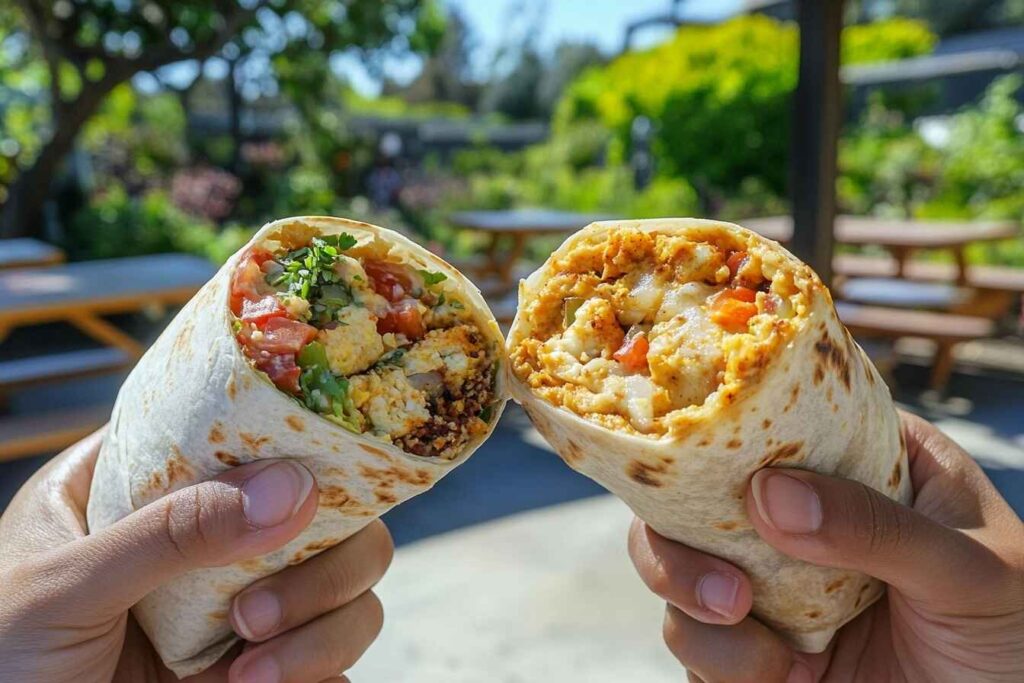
x,y
141,127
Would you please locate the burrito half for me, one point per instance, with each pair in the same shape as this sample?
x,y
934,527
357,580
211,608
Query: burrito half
x,y
336,343
670,359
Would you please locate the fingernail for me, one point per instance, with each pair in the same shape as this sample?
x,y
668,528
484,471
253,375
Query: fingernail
x,y
275,493
717,592
257,614
787,503
261,670
799,673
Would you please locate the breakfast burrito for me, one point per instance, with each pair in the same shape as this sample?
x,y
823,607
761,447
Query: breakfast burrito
x,y
671,359
340,344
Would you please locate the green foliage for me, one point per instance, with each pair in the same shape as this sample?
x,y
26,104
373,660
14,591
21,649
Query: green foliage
x,y
719,96
887,168
896,38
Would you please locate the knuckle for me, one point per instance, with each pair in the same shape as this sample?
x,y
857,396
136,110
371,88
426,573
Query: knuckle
x,y
383,546
673,634
879,525
192,523
336,580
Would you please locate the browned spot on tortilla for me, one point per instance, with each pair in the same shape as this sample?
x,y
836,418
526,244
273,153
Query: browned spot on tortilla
x,y
704,442
253,442
181,342
295,422
786,451
246,382
819,373
833,586
766,424
227,458
573,452
896,476
333,471
903,442
322,544
298,558
726,526
829,395
216,433
733,444
794,393
645,473
316,442
813,614
375,451
833,357
156,482
385,497
389,476
332,496
253,565
178,468
231,388
217,616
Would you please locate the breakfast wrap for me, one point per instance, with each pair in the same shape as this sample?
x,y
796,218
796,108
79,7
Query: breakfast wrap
x,y
339,344
670,359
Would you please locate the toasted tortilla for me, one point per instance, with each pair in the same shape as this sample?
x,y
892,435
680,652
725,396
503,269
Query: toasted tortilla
x,y
194,407
802,395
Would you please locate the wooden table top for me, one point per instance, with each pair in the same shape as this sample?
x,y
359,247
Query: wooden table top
x,y
911,234
91,285
25,252
538,221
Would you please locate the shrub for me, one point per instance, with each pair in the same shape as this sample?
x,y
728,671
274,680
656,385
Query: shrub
x,y
719,96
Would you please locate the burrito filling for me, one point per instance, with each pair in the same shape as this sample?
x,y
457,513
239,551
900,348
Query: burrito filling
x,y
641,329
365,339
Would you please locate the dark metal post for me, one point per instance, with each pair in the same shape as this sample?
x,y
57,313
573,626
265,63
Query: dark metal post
x,y
816,120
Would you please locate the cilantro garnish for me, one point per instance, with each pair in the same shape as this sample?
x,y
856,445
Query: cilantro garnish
x,y
455,303
393,358
325,392
430,278
306,270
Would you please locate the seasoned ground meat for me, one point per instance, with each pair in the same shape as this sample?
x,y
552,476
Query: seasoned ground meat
x,y
455,418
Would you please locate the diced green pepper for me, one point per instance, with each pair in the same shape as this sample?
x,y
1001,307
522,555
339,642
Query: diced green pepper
x,y
570,306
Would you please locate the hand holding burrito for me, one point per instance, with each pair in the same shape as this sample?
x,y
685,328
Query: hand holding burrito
x,y
954,610
65,595
339,344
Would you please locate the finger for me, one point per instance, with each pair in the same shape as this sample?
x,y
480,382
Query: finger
x,y
841,523
244,512
706,588
316,651
747,651
319,585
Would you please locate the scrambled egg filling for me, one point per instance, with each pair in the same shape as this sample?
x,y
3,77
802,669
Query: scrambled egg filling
x,y
375,344
635,329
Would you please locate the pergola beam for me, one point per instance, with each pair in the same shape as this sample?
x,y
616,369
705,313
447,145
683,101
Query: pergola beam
x,y
816,121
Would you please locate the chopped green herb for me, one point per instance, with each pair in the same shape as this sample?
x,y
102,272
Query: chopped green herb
x,y
440,300
430,278
486,414
455,303
306,270
325,392
393,358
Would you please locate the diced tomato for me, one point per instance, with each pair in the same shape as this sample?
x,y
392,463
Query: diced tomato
x,y
741,293
248,279
388,279
733,308
283,335
403,318
260,311
281,369
735,262
633,353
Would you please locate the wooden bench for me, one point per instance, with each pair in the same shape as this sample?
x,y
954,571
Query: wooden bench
x,y
981,277
82,294
945,329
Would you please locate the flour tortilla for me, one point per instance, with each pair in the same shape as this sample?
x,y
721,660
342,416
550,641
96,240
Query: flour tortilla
x,y
194,406
819,404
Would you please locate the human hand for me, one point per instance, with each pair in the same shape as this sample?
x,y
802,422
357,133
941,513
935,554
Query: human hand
x,y
954,610
65,595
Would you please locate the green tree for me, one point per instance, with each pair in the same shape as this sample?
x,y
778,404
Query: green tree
x,y
91,46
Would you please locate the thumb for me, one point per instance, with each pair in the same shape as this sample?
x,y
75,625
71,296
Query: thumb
x,y
844,524
247,511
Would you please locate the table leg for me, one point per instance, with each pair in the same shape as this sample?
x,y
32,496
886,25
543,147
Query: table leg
x,y
959,253
942,367
104,332
901,254
507,265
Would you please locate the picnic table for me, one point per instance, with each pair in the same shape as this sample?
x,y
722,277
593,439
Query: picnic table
x,y
81,294
24,252
514,227
900,237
